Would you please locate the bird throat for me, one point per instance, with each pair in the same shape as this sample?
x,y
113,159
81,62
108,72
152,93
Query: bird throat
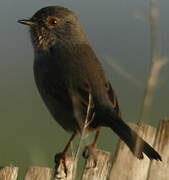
x,y
42,39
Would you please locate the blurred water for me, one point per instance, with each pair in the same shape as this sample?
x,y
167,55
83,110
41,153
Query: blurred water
x,y
28,134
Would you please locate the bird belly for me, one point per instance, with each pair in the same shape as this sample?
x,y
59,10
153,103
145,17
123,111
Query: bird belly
x,y
55,97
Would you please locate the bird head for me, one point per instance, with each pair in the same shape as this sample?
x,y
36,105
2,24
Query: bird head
x,y
55,26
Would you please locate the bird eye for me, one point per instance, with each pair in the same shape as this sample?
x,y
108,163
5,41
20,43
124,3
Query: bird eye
x,y
53,21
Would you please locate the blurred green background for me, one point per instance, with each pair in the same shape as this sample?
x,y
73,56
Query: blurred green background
x,y
28,133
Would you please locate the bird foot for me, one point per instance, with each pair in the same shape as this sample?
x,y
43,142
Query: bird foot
x,y
61,170
90,153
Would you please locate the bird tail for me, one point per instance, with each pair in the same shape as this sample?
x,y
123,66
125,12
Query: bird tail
x,y
130,137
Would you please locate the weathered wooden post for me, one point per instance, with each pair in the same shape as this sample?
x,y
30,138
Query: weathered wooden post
x,y
38,173
8,173
160,170
71,165
126,165
97,166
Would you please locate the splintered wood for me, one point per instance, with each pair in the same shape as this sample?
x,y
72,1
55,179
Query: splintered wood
x,y
126,166
8,173
97,166
71,165
160,170
38,173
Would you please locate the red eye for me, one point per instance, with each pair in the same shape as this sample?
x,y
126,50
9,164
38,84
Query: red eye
x,y
53,21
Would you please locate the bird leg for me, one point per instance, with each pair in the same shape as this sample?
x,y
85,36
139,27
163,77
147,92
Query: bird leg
x,y
94,144
62,157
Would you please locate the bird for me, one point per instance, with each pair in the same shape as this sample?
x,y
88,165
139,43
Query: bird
x,y
67,72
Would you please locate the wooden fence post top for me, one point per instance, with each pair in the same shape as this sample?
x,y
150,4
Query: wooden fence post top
x,y
71,165
126,166
160,170
98,171
8,173
38,173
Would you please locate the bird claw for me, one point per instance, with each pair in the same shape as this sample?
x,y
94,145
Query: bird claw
x,y
90,152
63,161
86,152
61,170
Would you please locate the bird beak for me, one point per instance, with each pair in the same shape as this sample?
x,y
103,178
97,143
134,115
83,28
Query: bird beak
x,y
27,22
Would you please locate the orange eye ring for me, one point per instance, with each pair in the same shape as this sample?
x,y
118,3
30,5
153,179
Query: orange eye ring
x,y
52,21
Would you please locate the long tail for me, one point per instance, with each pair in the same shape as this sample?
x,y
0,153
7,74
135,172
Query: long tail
x,y
129,136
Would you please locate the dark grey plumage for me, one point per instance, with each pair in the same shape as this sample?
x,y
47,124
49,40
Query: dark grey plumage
x,y
66,70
